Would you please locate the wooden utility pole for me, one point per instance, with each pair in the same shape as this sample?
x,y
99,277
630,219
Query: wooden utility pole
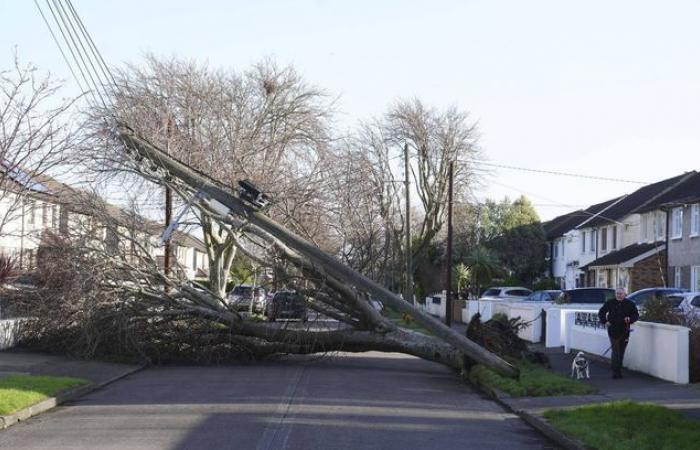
x,y
408,293
168,214
448,295
221,195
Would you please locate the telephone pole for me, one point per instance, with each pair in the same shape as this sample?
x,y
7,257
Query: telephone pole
x,y
168,214
448,295
408,294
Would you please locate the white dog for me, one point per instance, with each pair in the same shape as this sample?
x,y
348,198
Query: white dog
x,y
579,367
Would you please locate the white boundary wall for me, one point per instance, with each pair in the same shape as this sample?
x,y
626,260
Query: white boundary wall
x,y
528,312
659,350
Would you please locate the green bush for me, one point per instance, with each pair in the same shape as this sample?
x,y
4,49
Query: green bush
x,y
545,284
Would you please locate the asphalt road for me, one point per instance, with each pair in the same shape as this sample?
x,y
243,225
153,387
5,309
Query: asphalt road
x,y
367,401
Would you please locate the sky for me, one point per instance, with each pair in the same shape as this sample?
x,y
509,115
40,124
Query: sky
x,y
609,89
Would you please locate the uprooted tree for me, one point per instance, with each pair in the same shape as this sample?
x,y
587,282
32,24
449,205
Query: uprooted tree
x,y
112,293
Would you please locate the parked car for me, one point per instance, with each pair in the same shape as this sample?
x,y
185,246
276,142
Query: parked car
x,y
505,293
687,303
242,295
287,305
586,295
543,296
641,296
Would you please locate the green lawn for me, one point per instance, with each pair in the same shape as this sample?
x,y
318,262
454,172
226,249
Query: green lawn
x,y
398,319
628,425
20,391
535,381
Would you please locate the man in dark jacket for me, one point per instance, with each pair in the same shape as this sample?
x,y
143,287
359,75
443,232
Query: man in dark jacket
x,y
617,315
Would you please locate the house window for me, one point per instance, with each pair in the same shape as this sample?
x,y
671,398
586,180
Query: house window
x,y
695,278
677,223
45,215
603,239
54,217
659,225
644,222
593,235
677,277
556,249
30,217
614,237
695,220
583,242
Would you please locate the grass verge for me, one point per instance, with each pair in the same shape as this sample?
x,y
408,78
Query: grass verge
x,y
20,391
628,425
535,381
401,320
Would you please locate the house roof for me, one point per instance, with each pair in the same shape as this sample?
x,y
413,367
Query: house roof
x,y
637,199
625,255
687,191
560,225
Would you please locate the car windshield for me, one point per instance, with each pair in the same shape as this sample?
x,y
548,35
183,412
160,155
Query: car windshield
x,y
492,293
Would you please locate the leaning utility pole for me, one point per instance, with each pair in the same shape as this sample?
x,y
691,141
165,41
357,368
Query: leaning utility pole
x,y
448,294
408,293
219,197
168,214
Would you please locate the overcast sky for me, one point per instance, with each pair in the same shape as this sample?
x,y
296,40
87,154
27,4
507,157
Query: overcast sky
x,y
609,89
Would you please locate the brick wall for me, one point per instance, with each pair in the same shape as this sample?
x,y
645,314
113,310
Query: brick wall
x,y
648,272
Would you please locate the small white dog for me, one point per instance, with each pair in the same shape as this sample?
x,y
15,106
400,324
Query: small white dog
x,y
579,367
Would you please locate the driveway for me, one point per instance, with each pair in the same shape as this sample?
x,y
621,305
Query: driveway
x,y
364,401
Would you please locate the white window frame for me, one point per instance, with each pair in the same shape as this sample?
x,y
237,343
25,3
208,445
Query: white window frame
x,y
695,278
677,277
556,250
613,235
583,242
594,235
695,220
677,223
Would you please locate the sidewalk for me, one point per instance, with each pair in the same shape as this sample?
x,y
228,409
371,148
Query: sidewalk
x,y
99,374
634,386
17,362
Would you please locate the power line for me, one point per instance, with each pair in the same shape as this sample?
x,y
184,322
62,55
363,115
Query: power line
x,y
552,172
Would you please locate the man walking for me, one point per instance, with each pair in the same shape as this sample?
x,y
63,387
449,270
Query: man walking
x,y
617,315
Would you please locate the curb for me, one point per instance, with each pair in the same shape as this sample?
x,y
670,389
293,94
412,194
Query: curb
x,y
536,422
62,397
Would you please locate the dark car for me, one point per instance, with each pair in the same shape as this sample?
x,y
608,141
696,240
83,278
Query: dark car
x,y
641,296
543,296
287,305
587,295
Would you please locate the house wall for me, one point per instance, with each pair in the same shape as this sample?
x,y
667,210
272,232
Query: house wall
x,y
684,253
23,224
649,272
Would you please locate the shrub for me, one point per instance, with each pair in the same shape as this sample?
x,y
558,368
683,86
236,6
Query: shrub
x,y
7,269
660,310
545,284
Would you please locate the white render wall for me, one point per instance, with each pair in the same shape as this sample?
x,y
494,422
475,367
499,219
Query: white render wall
x,y
656,349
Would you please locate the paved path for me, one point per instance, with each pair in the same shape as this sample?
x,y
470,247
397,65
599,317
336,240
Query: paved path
x,y
634,386
367,401
31,363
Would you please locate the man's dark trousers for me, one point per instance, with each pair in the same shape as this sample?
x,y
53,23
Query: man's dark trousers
x,y
618,346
